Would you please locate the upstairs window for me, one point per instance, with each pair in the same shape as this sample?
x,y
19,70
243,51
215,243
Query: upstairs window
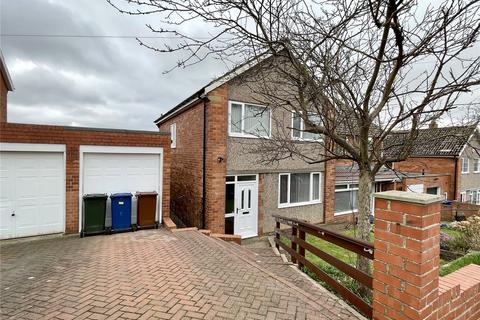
x,y
173,135
476,165
465,165
298,127
249,120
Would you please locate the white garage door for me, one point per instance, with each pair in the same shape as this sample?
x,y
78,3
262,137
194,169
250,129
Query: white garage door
x,y
121,172
32,193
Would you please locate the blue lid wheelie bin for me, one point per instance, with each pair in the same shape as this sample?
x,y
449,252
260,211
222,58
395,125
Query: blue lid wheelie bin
x,y
121,212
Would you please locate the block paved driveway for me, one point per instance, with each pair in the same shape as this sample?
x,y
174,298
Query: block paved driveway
x,y
154,274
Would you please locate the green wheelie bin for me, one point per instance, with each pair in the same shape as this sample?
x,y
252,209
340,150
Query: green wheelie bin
x,y
94,207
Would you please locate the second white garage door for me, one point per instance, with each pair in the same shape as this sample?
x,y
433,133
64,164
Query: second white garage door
x,y
125,170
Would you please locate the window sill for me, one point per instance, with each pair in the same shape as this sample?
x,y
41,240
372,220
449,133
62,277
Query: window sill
x,y
249,136
466,172
341,213
299,204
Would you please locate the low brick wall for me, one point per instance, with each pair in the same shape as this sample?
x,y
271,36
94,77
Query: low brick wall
x,y
449,212
72,138
406,282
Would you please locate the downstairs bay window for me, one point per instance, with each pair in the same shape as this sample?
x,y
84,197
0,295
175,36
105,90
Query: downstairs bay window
x,y
296,189
346,198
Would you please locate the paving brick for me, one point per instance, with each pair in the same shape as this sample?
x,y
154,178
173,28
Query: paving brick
x,y
155,274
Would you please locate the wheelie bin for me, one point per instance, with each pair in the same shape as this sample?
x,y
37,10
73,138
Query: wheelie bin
x,y
94,207
121,212
146,209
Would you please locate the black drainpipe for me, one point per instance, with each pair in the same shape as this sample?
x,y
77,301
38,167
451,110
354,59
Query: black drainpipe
x,y
204,164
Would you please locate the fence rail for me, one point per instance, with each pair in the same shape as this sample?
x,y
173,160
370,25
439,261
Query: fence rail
x,y
298,246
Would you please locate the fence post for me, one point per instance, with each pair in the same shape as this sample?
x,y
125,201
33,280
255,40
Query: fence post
x,y
301,249
277,234
293,244
406,259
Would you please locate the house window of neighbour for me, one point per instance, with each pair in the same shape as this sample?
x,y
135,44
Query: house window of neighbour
x,y
298,127
465,164
249,120
463,196
346,196
433,190
476,165
475,197
297,189
173,135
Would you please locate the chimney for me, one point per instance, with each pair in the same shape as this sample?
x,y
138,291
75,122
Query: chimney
x,y
433,124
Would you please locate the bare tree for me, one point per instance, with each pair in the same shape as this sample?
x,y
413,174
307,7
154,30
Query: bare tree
x,y
354,70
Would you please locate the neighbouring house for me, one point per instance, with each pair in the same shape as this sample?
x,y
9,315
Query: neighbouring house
x,y
218,182
443,161
45,170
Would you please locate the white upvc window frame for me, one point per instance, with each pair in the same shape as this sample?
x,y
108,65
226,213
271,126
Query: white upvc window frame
x,y
463,196
242,134
467,161
173,135
302,128
349,189
477,162
478,196
304,203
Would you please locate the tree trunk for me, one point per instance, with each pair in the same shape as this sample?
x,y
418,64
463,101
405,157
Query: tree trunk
x,y
364,210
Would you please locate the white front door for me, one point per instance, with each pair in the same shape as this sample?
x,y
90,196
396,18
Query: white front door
x,y
246,207
32,193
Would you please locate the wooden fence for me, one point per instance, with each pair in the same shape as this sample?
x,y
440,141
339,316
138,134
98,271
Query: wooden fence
x,y
297,236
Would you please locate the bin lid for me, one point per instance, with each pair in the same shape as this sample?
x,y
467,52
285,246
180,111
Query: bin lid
x,y
149,193
95,195
120,195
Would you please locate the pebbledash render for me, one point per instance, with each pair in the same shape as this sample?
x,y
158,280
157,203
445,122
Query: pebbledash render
x,y
218,182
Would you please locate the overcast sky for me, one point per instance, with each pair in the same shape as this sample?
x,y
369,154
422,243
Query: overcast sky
x,y
91,81
99,82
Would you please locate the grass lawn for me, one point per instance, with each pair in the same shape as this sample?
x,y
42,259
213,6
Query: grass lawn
x,y
459,263
451,232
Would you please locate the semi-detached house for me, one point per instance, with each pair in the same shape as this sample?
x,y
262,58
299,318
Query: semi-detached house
x,y
216,183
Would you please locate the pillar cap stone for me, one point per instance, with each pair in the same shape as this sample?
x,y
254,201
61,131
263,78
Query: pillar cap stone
x,y
411,197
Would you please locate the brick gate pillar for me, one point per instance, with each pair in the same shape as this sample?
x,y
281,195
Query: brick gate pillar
x,y
406,261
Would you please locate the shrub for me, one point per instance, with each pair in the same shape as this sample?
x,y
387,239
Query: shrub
x,y
445,238
470,229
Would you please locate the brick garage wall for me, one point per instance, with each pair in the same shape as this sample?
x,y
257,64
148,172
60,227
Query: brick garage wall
x,y
406,283
433,165
186,166
73,138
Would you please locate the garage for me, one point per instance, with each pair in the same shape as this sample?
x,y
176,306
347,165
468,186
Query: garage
x,y
32,183
120,169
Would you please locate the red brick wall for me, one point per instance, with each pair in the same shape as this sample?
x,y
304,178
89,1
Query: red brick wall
x,y
329,192
73,138
187,161
439,181
433,165
3,100
217,132
406,283
186,167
